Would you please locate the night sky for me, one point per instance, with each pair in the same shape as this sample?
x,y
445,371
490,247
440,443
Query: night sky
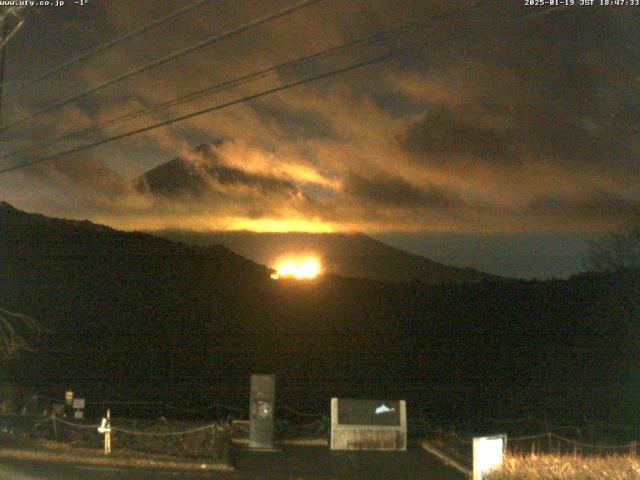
x,y
490,137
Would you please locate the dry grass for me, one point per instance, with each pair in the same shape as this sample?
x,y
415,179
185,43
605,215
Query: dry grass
x,y
567,467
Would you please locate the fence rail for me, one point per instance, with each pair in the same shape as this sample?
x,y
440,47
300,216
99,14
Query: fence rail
x,y
175,438
545,442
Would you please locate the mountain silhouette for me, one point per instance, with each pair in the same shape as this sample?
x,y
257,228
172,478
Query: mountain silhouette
x,y
351,255
134,317
200,173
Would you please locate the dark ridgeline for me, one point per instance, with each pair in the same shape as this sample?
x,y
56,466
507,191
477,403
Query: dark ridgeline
x,y
138,317
352,255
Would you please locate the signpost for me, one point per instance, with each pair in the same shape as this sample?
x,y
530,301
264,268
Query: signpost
x,y
68,403
78,408
261,412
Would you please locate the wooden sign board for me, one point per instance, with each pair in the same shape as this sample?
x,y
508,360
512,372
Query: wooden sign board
x,y
368,424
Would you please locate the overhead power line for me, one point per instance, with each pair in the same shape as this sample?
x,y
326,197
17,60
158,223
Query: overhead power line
x,y
162,60
379,37
7,35
6,11
105,46
3,43
332,73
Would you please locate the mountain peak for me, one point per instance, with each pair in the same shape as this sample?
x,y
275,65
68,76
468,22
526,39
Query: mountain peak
x,y
201,171
208,148
207,151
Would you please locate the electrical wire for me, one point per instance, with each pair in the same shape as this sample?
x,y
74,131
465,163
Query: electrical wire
x,y
5,41
371,39
280,88
104,46
167,58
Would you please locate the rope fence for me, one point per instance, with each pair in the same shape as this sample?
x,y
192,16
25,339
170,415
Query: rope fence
x,y
320,423
587,426
547,442
55,419
550,442
592,438
176,438
301,414
219,410
158,436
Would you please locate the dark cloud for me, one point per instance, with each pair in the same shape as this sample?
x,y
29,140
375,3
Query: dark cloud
x,y
296,124
445,136
563,88
609,209
390,191
509,130
261,183
200,173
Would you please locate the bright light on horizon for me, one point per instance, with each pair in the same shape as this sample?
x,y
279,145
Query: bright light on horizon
x,y
300,269
280,226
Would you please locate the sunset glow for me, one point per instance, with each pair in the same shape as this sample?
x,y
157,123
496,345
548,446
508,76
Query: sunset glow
x,y
300,269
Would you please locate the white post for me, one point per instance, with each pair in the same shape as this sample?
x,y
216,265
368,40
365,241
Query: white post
x,y
107,435
487,454
105,429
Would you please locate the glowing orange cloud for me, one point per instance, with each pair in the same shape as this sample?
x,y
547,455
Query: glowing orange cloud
x,y
300,269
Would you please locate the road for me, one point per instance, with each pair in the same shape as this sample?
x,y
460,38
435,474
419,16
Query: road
x,y
293,463
56,471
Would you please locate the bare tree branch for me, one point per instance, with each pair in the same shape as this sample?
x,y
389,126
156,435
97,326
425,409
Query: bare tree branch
x,y
615,252
14,327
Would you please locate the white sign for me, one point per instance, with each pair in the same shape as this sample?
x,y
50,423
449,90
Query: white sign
x,y
487,454
78,414
78,403
105,426
384,409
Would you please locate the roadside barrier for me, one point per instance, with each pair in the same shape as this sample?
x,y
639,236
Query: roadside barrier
x,y
165,437
550,442
547,442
